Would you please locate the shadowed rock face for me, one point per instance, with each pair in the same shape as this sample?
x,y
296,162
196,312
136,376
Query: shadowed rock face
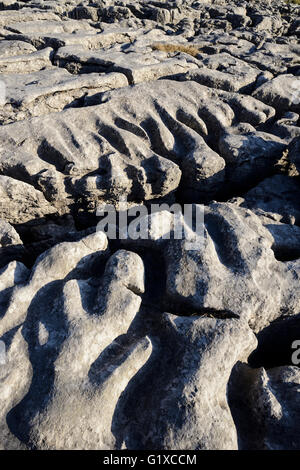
x,y
149,343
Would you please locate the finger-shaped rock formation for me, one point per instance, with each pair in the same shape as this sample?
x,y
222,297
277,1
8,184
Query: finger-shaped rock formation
x,y
178,329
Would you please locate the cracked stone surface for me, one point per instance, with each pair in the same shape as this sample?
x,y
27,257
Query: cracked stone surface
x,y
149,343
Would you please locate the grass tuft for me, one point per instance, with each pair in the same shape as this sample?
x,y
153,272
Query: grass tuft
x,y
166,47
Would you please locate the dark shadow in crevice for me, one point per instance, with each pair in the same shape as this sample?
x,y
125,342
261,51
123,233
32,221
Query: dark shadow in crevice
x,y
275,343
131,422
285,253
249,433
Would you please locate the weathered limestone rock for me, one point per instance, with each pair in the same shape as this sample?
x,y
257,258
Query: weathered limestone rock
x,y
21,202
15,48
231,270
225,72
11,245
250,156
275,58
26,63
8,235
270,398
283,93
52,90
136,66
189,409
34,14
78,331
59,35
159,342
55,264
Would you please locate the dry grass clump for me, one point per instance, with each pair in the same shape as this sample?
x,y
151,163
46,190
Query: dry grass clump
x,y
166,47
